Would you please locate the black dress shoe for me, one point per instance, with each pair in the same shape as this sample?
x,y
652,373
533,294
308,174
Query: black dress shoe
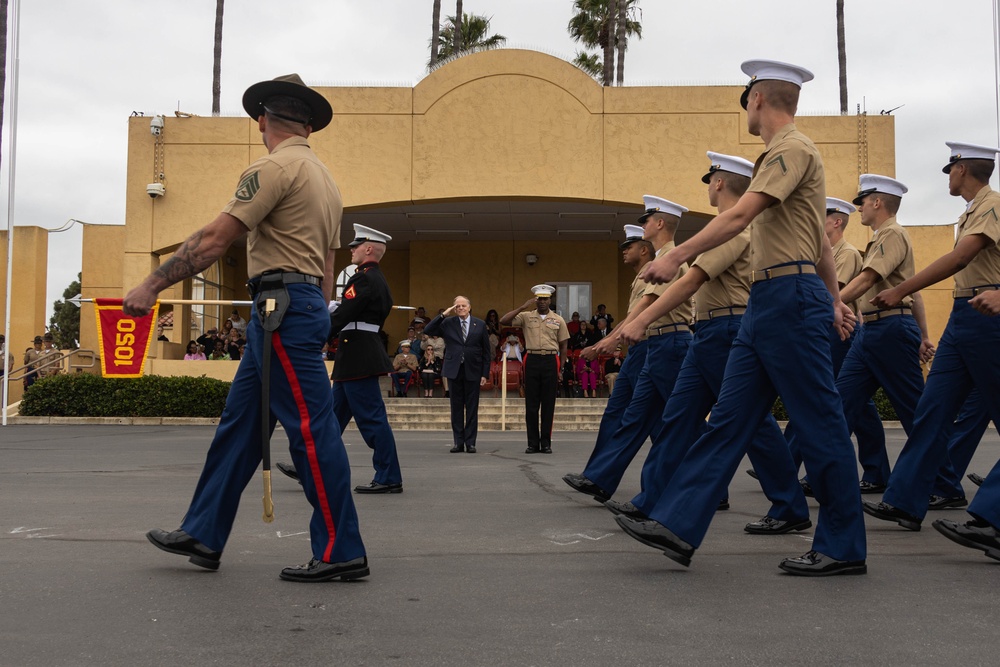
x,y
723,505
179,542
771,526
656,535
456,449
887,512
815,564
871,487
752,473
531,450
288,470
375,487
806,487
625,509
975,479
974,534
317,570
586,487
546,450
471,449
943,503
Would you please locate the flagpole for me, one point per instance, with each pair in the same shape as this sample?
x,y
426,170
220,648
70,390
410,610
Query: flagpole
x,y
15,52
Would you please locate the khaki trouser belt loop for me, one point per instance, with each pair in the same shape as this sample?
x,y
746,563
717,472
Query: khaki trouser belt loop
x,y
970,292
779,271
721,312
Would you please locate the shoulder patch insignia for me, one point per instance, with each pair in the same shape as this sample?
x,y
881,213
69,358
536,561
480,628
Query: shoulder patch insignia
x,y
248,187
993,213
780,161
350,293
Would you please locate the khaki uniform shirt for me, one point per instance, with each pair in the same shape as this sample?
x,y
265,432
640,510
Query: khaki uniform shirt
x,y
890,255
402,362
791,171
49,370
31,357
728,270
682,314
541,334
847,260
635,295
292,208
981,218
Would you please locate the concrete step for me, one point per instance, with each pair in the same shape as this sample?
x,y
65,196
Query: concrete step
x,y
433,414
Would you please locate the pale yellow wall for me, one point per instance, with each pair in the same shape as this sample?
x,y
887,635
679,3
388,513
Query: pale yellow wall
x,y
496,125
28,285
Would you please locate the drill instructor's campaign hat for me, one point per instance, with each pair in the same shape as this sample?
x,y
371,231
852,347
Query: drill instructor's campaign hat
x,y
730,163
834,205
364,234
871,183
772,70
660,205
961,151
290,85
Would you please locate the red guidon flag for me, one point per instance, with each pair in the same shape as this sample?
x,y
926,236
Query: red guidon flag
x,y
124,339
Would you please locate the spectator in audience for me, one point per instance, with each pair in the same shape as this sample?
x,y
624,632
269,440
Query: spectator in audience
x,y
219,353
195,352
430,370
574,324
602,311
238,322
160,336
227,326
493,331
585,337
602,329
611,368
512,349
435,343
411,334
31,357
234,344
403,365
420,314
568,384
207,340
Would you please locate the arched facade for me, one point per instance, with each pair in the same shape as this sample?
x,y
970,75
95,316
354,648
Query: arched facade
x,y
490,158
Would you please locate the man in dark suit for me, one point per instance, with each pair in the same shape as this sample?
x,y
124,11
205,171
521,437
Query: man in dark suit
x,y
466,365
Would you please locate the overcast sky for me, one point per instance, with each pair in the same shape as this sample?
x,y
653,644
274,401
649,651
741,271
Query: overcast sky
x,y
86,66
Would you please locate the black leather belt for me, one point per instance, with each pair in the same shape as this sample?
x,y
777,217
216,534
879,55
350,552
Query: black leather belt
x,y
287,277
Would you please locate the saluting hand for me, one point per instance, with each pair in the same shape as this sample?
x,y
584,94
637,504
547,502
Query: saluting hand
x,y
662,269
530,303
987,303
887,298
450,310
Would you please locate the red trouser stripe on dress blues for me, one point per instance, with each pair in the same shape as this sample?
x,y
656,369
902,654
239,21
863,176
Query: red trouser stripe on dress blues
x,y
307,436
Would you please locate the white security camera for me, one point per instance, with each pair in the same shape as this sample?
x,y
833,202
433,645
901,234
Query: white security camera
x,y
156,126
531,259
155,190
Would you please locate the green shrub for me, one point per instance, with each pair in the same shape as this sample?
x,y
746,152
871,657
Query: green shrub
x,y
882,404
87,395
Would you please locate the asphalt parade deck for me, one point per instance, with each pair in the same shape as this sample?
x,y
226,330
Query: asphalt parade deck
x,y
485,559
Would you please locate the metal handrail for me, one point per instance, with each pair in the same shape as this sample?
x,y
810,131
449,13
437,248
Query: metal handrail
x,y
56,360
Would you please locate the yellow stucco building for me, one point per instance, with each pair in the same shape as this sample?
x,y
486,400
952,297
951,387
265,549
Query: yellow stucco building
x,y
492,158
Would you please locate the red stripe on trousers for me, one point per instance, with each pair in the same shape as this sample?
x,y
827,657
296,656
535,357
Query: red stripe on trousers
x,y
300,402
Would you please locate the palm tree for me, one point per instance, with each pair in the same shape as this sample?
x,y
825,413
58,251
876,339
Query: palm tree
x,y
594,25
217,65
474,35
435,32
589,63
842,56
457,45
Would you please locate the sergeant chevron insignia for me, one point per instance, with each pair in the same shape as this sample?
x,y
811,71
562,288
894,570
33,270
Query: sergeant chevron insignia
x,y
248,187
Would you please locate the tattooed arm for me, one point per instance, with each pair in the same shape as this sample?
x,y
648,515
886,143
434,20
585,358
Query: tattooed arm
x,y
197,253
